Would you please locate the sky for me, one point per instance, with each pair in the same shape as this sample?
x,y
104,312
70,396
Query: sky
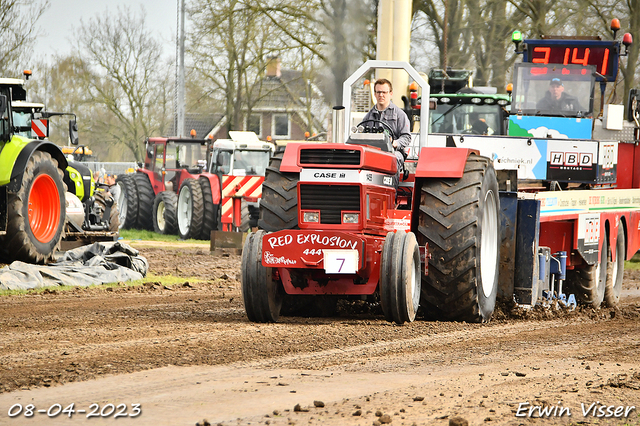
x,y
62,16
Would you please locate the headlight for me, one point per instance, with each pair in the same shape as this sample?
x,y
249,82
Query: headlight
x,y
311,217
350,217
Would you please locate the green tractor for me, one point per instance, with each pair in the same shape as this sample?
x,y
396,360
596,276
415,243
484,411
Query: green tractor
x,y
457,107
43,199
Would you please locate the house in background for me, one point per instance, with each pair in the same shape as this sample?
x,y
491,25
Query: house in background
x,y
280,113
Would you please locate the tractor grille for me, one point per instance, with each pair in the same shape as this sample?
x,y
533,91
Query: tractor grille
x,y
338,157
331,200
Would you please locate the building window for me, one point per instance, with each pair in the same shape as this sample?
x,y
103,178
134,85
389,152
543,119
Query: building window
x,y
254,124
281,125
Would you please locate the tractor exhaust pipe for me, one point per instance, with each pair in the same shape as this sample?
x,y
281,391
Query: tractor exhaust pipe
x,y
337,135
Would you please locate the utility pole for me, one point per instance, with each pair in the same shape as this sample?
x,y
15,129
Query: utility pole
x,y
180,85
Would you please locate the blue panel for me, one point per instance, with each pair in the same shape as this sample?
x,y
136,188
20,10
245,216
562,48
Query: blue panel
x,y
556,127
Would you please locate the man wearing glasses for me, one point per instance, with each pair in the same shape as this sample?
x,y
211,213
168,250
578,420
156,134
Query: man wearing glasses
x,y
384,110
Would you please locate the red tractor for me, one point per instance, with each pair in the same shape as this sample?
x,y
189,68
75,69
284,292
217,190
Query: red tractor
x,y
193,186
333,223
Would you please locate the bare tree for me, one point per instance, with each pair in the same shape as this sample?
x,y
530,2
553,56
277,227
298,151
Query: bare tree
x,y
454,16
58,85
18,31
628,11
125,75
229,47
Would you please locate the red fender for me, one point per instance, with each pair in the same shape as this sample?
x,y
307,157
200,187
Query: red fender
x,y
442,162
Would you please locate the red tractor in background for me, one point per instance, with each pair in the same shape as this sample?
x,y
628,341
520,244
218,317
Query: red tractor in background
x,y
194,186
336,225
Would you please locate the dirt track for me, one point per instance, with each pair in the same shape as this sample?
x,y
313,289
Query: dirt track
x,y
132,345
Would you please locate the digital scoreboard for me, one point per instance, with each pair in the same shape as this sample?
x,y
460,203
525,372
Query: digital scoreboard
x,y
603,54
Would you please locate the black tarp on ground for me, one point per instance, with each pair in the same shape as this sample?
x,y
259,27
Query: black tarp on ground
x,y
98,263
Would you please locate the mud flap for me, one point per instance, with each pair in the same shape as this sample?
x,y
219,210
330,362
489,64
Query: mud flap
x,y
526,261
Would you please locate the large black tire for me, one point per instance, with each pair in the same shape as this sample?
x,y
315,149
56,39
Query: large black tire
x,y
459,218
279,202
261,294
588,283
101,199
127,202
164,213
615,271
400,279
146,197
211,215
35,213
190,210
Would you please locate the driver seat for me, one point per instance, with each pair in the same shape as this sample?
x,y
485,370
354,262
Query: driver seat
x,y
377,140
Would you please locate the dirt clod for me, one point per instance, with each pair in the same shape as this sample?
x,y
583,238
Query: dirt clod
x,y
458,421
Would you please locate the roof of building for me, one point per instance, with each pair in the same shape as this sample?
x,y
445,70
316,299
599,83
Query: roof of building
x,y
201,123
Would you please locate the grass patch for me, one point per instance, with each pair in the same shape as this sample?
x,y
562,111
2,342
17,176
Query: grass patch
x,y
634,263
139,234
168,280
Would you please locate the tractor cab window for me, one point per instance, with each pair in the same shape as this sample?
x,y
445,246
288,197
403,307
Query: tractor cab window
x,y
250,162
553,90
184,155
221,161
466,118
22,123
4,114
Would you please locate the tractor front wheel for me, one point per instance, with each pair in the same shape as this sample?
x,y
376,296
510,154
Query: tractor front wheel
x,y
127,202
400,279
164,213
190,209
35,213
211,211
262,295
459,218
588,283
145,200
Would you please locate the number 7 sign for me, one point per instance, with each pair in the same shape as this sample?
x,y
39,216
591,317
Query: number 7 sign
x,y
340,261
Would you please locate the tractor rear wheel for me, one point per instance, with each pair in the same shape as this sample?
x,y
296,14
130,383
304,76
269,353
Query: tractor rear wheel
x,y
279,202
146,197
459,218
164,213
261,294
127,202
36,213
615,271
400,279
211,215
101,198
190,209
588,283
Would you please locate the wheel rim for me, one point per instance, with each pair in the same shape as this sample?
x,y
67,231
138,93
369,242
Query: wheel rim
x,y
44,208
415,286
614,273
160,215
489,248
184,210
122,204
